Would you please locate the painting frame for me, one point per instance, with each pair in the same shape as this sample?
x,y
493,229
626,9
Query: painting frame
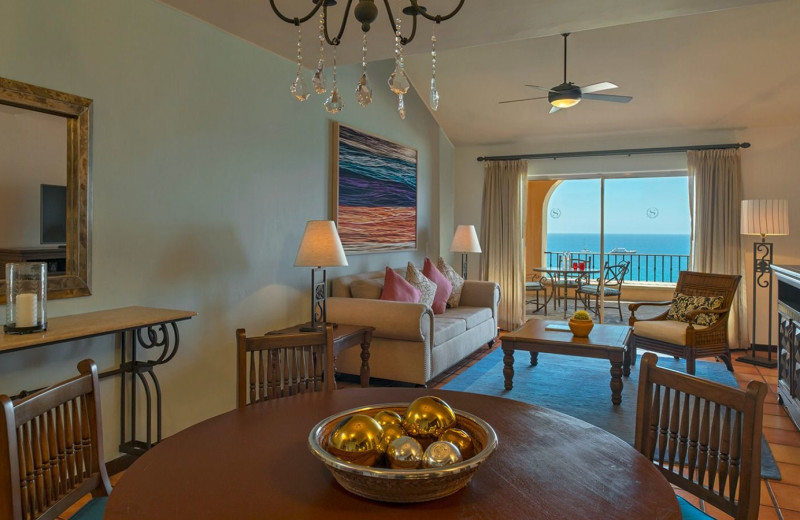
x,y
374,192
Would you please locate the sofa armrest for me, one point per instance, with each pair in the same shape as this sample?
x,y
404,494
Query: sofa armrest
x,y
392,320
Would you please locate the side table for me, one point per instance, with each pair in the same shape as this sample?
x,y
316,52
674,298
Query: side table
x,y
346,336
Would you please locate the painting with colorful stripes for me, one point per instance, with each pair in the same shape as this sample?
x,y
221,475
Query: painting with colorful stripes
x,y
375,192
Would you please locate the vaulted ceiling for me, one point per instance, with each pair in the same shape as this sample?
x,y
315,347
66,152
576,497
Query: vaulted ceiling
x,y
689,64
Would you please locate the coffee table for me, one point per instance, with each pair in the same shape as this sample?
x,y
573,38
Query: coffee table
x,y
604,342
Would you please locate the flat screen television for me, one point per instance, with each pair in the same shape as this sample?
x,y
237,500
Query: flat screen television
x,y
53,228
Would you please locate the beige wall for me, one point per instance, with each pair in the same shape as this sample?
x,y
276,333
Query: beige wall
x,y
204,171
769,170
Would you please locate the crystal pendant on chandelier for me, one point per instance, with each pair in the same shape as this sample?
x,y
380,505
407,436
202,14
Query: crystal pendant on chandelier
x,y
398,81
299,87
434,95
334,104
363,91
401,106
318,80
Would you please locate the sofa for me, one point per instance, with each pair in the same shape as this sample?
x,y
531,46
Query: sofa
x,y
411,343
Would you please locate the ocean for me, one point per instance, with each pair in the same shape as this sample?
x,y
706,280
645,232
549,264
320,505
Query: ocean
x,y
656,258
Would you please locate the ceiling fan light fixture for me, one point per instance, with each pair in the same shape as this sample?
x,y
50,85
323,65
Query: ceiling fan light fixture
x,y
565,103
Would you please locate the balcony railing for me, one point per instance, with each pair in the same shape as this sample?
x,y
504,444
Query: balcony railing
x,y
643,268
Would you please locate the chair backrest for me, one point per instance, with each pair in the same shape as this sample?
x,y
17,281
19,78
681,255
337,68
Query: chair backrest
x,y
615,274
693,283
280,365
51,448
704,437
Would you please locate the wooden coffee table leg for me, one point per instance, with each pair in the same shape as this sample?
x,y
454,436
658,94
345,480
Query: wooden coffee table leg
x,y
534,358
616,382
366,340
626,363
508,367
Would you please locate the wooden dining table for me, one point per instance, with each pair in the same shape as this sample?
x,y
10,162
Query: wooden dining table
x,y
255,463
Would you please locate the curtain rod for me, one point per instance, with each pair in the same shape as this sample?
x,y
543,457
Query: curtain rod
x,y
604,153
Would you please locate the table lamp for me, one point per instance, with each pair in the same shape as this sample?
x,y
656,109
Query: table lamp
x,y
763,217
465,241
319,248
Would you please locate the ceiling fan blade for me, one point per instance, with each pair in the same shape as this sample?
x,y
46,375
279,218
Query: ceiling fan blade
x,y
554,109
607,97
605,85
526,99
540,88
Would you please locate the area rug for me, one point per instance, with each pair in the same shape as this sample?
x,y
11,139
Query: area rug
x,y
579,387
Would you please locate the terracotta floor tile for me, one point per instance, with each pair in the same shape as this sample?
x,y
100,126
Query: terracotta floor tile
x,y
788,496
774,409
788,514
767,513
765,498
772,380
778,436
744,368
790,473
776,421
788,454
771,398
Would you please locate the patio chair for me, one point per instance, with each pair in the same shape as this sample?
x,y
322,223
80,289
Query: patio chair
x,y
704,437
534,285
280,365
696,323
613,277
51,451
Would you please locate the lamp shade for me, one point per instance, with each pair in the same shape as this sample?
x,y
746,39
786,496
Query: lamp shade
x,y
465,240
765,217
320,246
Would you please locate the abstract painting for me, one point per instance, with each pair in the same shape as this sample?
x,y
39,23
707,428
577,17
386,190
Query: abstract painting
x,y
375,192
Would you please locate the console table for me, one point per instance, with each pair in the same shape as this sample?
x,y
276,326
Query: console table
x,y
155,330
789,339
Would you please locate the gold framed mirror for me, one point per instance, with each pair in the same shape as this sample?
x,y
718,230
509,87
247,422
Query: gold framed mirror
x,y
71,278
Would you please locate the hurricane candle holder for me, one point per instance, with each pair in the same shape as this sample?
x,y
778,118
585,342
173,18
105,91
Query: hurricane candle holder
x,y
26,296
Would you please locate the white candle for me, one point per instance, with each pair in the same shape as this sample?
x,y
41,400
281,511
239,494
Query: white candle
x,y
27,304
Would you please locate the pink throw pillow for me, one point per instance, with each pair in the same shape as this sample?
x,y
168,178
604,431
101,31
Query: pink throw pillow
x,y
397,289
443,286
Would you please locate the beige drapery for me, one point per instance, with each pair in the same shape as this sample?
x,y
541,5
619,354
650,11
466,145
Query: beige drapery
x,y
717,179
502,229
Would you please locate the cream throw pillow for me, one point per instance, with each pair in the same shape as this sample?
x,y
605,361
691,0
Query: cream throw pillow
x,y
421,282
455,279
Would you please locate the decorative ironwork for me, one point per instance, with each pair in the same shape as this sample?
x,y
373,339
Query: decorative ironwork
x,y
763,265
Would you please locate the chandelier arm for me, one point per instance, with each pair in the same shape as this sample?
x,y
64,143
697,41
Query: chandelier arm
x,y
296,21
437,18
338,39
403,39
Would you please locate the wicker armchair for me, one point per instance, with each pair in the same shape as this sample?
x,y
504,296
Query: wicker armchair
x,y
688,340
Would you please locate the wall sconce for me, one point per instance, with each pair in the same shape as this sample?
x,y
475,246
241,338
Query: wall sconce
x,y
465,241
319,248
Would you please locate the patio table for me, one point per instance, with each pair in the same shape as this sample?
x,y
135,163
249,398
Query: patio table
x,y
562,277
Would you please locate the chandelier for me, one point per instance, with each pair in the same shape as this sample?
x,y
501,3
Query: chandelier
x,y
365,12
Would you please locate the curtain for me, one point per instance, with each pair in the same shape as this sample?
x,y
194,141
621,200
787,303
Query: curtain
x,y
502,234
717,179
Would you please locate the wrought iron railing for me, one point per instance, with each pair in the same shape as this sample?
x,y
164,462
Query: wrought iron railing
x,y
643,267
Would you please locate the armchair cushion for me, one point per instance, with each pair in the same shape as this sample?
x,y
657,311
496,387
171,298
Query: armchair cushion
x,y
669,331
426,287
684,303
455,280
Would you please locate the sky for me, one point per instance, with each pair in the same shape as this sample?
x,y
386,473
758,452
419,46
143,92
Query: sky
x,y
633,206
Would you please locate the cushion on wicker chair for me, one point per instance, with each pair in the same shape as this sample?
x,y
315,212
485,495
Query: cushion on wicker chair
x,y
669,331
684,303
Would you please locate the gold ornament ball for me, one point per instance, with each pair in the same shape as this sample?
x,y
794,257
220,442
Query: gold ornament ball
x,y
357,439
461,439
392,432
404,453
428,416
387,417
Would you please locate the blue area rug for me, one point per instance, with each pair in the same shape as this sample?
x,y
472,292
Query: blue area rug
x,y
580,387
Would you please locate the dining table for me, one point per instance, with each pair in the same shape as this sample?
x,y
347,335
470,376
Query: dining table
x,y
562,277
255,463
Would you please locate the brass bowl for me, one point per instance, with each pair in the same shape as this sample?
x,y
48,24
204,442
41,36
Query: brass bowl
x,y
403,485
581,328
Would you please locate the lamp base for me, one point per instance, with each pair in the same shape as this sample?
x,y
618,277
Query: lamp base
x,y
759,361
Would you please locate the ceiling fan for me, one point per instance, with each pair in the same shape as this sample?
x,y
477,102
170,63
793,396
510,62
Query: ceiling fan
x,y
569,94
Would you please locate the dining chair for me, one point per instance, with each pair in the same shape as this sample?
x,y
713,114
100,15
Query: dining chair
x,y
51,451
704,437
535,284
282,364
696,323
612,278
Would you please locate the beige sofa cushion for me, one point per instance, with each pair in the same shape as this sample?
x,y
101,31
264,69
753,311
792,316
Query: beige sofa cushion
x,y
664,330
471,315
369,288
445,329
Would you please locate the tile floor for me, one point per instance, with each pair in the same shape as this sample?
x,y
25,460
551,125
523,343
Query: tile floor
x,y
780,499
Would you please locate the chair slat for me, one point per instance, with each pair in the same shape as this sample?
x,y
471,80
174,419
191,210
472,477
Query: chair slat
x,y
664,426
736,454
713,449
674,425
694,437
684,434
